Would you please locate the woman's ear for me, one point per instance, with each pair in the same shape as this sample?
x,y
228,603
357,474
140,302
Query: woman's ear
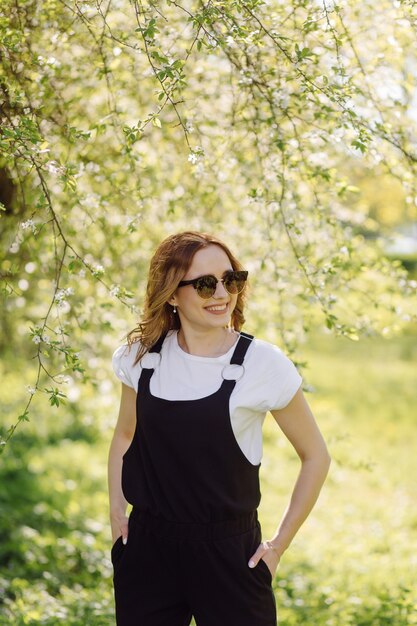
x,y
172,301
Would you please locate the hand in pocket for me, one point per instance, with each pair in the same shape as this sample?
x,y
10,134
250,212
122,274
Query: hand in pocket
x,y
119,527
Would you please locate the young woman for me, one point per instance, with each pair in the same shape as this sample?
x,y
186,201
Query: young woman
x,y
187,448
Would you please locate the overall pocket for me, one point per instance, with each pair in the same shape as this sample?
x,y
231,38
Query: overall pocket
x,y
263,565
116,550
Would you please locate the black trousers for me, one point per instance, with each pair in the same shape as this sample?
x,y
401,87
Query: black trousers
x,y
168,572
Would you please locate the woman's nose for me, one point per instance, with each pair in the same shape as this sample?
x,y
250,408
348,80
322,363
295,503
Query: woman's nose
x,y
220,290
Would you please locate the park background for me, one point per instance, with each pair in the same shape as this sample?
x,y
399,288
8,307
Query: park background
x,y
289,130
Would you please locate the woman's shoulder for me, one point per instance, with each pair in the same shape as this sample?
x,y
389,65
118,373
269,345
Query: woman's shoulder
x,y
266,348
268,356
123,362
126,352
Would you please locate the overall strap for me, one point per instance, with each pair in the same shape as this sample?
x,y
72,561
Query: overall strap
x,y
238,356
158,345
241,349
147,371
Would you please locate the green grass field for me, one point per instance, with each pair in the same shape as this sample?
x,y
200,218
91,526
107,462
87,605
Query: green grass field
x,y
353,562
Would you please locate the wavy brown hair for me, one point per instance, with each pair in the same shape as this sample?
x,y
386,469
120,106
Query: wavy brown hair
x,y
168,266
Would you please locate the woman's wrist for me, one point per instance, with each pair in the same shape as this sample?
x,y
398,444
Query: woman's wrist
x,y
275,547
117,511
272,547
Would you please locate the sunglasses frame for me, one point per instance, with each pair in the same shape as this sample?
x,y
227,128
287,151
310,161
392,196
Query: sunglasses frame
x,y
194,282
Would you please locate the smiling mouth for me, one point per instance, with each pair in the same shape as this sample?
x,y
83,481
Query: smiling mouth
x,y
218,307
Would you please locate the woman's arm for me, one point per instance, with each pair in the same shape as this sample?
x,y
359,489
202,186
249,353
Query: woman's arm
x,y
299,426
122,437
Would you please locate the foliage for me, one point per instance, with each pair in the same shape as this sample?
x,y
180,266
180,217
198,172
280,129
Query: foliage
x,y
122,122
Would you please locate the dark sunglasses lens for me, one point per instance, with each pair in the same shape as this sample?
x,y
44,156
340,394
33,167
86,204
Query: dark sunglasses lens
x,y
235,282
206,286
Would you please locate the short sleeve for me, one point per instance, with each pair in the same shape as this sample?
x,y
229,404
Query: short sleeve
x,y
279,378
290,387
122,361
291,381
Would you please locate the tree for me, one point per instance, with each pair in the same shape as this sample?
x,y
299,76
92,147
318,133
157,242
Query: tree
x,y
122,122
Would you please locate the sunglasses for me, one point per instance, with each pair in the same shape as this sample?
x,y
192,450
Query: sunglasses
x,y
205,286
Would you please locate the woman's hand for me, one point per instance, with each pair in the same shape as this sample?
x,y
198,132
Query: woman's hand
x,y
269,554
119,526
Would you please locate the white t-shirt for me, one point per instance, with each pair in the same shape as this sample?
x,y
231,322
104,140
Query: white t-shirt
x,y
269,382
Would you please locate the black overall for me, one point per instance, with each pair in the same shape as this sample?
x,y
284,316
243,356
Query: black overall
x,y
194,522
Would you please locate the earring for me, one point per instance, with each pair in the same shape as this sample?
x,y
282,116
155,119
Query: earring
x,y
175,309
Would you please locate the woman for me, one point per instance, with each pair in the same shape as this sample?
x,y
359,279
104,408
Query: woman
x,y
187,448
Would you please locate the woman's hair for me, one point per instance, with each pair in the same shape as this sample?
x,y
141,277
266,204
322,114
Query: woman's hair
x,y
168,266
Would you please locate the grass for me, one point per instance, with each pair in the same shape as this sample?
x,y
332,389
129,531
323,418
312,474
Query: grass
x,y
353,560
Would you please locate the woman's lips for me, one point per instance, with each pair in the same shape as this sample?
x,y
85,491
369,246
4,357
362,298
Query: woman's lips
x,y
217,309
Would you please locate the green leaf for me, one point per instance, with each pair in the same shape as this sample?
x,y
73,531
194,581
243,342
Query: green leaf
x,y
56,396
358,144
177,64
159,57
24,417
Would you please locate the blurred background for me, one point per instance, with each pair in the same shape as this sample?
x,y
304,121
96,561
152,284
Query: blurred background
x,y
287,129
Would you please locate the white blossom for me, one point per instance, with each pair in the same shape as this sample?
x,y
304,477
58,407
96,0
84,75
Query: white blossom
x,y
53,167
28,224
318,159
195,154
245,80
281,97
91,200
211,41
92,167
98,269
36,339
61,379
60,295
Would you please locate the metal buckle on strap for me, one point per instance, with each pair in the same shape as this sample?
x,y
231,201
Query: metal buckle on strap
x,y
233,369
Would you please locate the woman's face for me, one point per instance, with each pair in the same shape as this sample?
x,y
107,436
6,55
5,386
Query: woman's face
x,y
217,310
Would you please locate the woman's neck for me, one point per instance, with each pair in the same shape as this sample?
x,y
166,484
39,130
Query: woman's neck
x,y
210,344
